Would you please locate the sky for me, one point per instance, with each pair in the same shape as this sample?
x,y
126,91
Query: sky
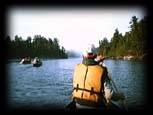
x,y
75,28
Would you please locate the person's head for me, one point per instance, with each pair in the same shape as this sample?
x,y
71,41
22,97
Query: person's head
x,y
90,52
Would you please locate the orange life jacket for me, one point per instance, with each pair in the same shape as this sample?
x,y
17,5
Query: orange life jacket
x,y
87,82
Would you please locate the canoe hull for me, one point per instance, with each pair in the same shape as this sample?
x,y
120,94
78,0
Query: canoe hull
x,y
37,64
113,105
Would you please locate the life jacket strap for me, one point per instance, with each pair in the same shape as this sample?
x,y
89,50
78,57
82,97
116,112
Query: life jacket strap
x,y
91,91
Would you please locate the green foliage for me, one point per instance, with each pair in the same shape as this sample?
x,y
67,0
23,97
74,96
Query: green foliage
x,y
132,43
38,46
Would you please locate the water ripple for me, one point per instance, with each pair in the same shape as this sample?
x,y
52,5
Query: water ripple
x,y
51,84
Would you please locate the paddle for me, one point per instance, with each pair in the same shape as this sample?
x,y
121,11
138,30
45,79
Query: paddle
x,y
71,105
117,91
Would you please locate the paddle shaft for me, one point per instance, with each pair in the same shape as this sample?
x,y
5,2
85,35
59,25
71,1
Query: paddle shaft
x,y
117,90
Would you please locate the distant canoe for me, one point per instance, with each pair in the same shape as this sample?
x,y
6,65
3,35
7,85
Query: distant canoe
x,y
36,62
25,61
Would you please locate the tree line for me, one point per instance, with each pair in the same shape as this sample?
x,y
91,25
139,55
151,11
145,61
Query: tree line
x,y
133,43
38,46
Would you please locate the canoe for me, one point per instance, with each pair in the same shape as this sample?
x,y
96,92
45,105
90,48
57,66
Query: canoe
x,y
113,105
38,64
23,61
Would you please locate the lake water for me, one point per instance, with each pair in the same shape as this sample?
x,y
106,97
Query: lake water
x,y
50,86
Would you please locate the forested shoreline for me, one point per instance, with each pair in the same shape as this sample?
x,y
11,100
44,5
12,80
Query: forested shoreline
x,y
38,46
133,45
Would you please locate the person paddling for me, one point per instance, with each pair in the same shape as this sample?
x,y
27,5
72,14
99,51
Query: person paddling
x,y
92,88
